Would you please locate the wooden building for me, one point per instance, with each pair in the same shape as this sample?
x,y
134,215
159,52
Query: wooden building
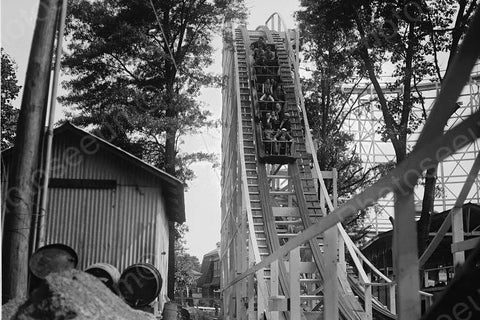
x,y
438,270
108,205
209,281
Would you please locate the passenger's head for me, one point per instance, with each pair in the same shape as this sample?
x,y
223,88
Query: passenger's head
x,y
268,115
278,106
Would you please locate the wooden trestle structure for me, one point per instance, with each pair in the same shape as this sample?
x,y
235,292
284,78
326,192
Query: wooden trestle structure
x,y
283,247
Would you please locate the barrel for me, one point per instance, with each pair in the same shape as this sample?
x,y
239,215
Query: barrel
x,y
52,258
170,311
140,284
106,273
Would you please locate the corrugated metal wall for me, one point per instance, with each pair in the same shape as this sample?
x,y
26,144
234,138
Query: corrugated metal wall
x,y
120,226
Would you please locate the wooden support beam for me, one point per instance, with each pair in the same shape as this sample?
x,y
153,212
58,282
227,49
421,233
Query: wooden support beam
x,y
251,298
274,286
457,236
262,294
285,212
238,302
465,245
20,204
331,276
294,281
368,301
392,298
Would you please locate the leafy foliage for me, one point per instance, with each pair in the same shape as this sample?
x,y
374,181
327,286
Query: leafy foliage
x,y
10,90
135,69
401,36
185,264
334,145
327,108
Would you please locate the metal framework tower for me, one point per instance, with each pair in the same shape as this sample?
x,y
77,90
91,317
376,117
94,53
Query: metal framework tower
x,y
452,172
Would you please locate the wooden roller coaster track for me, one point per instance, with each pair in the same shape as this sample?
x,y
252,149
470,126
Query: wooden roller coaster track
x,y
283,245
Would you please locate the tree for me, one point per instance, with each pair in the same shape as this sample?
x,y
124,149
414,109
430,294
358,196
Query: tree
x,y
326,113
10,90
186,267
327,108
135,69
328,105
438,43
405,37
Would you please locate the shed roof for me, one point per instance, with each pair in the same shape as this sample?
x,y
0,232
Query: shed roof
x,y
173,189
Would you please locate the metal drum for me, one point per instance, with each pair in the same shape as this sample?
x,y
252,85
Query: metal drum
x,y
106,273
52,258
140,284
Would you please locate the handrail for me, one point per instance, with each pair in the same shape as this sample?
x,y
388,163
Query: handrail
x,y
280,24
256,252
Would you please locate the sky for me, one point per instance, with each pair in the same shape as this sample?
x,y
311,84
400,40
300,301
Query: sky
x,y
202,199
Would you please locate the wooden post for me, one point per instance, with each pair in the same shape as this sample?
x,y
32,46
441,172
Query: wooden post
x,y
457,235
261,293
244,255
251,298
368,299
294,272
274,285
331,277
41,223
24,171
405,256
341,243
238,301
392,298
335,187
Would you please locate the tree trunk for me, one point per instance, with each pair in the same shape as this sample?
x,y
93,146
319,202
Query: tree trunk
x,y
24,171
170,154
427,209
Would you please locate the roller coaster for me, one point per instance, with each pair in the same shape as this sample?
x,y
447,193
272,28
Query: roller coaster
x,y
283,247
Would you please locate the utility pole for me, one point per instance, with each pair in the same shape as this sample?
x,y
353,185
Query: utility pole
x,y
24,173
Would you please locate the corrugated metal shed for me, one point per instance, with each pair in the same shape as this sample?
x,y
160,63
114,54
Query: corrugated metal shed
x,y
108,205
